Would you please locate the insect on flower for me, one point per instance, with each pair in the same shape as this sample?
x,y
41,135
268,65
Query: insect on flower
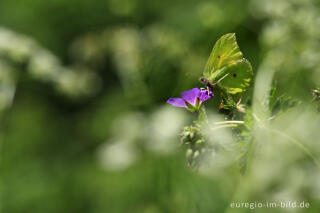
x,y
226,67
191,99
207,83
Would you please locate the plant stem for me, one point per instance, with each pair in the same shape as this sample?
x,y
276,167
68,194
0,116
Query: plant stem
x,y
225,126
229,122
298,144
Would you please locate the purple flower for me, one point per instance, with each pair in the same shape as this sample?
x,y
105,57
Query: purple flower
x,y
191,99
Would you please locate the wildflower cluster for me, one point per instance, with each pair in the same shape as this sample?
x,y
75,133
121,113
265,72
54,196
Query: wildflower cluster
x,y
228,75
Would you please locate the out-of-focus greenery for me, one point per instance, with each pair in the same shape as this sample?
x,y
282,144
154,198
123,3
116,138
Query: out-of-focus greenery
x,y
84,124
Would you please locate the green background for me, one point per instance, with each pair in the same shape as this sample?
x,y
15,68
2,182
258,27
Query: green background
x,y
141,53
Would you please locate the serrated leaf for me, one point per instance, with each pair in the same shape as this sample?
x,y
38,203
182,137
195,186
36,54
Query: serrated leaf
x,y
224,52
283,104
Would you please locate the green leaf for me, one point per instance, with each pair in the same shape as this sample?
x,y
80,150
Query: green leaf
x,y
283,104
227,67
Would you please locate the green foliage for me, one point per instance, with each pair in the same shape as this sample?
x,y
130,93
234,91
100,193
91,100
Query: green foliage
x,y
283,103
192,137
280,104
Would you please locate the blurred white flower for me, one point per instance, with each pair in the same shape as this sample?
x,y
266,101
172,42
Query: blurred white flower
x,y
122,151
77,82
44,65
117,155
163,129
16,47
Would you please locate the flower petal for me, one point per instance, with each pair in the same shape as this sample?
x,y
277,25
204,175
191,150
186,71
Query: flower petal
x,y
205,95
177,102
191,96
